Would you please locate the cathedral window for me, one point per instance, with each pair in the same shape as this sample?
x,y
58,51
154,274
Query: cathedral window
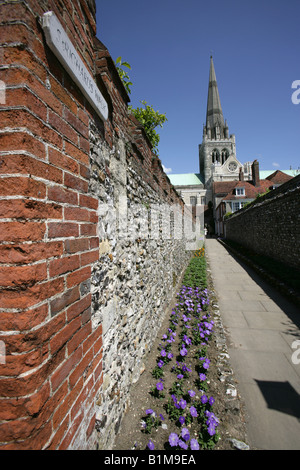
x,y
215,156
224,155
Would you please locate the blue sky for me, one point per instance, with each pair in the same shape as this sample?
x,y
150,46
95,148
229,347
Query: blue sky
x,y
255,48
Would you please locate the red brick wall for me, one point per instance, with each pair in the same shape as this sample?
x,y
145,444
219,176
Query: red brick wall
x,y
48,235
52,375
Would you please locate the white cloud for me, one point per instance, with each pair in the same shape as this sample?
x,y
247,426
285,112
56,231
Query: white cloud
x,y
167,170
276,164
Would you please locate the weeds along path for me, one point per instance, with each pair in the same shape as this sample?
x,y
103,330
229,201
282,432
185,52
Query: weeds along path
x,y
180,401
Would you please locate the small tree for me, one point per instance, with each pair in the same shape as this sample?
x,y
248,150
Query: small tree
x,y
149,118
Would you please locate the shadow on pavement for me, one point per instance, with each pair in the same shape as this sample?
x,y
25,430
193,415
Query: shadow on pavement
x,y
288,307
280,396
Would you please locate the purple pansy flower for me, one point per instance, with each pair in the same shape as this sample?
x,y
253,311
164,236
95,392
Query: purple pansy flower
x,y
204,399
173,439
194,444
159,386
150,445
181,419
211,429
185,434
182,403
182,444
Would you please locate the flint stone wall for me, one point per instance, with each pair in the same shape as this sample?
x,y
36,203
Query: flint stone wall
x,y
272,225
134,279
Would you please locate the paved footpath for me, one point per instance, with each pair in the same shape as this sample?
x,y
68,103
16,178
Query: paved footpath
x,y
262,327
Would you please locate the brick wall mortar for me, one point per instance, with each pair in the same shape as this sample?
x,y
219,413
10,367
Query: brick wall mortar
x,y
58,168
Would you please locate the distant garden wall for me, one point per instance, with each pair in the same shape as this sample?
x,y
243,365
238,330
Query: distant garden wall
x,y
271,226
84,285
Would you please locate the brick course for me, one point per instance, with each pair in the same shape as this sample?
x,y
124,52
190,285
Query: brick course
x,y
44,167
49,241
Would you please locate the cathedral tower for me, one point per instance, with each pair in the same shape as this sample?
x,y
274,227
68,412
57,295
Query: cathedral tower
x,y
217,153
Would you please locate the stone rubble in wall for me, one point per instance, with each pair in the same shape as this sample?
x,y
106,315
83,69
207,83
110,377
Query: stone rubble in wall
x,y
131,282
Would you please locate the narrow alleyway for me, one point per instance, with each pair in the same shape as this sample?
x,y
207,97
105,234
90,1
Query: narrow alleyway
x,y
263,327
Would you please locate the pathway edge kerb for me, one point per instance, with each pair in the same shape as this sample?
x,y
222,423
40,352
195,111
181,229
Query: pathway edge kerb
x,y
283,288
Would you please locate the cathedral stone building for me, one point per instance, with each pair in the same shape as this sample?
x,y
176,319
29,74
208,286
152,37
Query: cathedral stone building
x,y
217,153
218,162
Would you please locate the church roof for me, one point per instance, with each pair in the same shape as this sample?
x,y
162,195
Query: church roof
x,y
192,179
186,179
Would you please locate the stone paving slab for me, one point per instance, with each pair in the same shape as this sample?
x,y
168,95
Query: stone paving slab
x,y
261,326
277,430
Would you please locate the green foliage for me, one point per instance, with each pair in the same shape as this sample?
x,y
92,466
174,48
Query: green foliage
x,y
124,74
195,274
157,372
177,388
151,421
173,412
262,194
150,119
227,215
146,115
206,441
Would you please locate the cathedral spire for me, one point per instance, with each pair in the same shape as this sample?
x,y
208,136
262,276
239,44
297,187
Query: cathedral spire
x,y
218,145
214,113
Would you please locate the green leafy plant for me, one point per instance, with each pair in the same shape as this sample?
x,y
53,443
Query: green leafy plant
x,y
195,274
150,119
173,412
146,115
150,421
177,388
124,74
157,372
227,215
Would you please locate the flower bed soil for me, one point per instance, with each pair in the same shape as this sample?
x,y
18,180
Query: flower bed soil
x,y
220,384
